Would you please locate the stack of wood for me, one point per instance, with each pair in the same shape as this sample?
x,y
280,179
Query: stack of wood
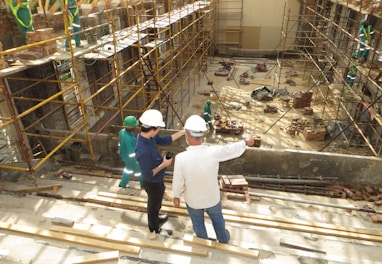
x,y
235,184
3,63
43,50
304,99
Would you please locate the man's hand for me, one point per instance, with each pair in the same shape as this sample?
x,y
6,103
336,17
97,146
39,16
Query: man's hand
x,y
176,202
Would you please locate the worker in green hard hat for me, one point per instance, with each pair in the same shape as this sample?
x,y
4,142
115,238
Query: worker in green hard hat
x,y
207,114
126,148
366,35
22,13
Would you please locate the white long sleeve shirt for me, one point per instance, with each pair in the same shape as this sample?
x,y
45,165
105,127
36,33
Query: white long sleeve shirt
x,y
196,172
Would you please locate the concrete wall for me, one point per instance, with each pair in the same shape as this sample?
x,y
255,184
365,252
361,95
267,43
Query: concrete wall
x,y
262,22
356,170
349,169
261,25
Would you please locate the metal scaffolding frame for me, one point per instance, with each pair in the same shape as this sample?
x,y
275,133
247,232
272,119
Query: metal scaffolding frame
x,y
65,101
326,36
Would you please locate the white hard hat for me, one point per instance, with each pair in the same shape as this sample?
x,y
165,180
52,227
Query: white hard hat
x,y
195,125
152,118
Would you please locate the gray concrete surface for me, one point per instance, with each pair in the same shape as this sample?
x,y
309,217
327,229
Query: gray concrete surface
x,y
36,211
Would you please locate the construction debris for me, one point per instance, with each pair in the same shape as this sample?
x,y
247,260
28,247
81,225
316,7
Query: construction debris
x,y
229,127
243,78
309,131
304,99
262,94
262,67
270,109
225,70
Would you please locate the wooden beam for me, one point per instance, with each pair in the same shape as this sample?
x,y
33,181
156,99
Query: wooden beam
x,y
113,202
40,188
53,9
221,246
70,238
282,223
98,233
96,258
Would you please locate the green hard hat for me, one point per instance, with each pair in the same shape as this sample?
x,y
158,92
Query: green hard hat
x,y
362,21
209,101
130,121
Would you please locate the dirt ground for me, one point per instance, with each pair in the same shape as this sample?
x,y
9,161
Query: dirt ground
x,y
233,101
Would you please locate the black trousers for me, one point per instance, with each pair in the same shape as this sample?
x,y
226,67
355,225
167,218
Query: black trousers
x,y
155,192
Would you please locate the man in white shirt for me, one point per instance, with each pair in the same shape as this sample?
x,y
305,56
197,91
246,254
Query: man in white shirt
x,y
196,175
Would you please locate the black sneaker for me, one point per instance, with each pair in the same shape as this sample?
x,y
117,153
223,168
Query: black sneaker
x,y
162,219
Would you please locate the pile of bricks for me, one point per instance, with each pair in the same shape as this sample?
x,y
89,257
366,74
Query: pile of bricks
x,y
297,126
3,63
302,100
43,50
257,142
309,131
270,109
314,133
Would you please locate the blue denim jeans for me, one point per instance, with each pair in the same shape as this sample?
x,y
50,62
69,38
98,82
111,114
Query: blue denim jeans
x,y
216,215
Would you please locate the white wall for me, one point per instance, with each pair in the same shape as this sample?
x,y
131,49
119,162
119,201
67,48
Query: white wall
x,y
262,21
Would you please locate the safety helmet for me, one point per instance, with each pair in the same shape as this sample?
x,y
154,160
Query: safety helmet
x,y
362,21
195,125
130,121
152,118
209,102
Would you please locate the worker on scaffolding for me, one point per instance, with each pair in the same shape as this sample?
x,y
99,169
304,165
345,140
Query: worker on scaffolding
x,y
351,75
207,114
366,35
71,11
23,16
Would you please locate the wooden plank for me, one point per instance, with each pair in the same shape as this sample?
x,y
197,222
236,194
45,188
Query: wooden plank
x,y
62,221
301,245
143,204
97,232
70,238
96,258
313,229
226,181
53,9
221,246
40,188
283,223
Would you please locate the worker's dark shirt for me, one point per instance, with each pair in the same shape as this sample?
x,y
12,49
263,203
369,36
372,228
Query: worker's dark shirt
x,y
149,158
